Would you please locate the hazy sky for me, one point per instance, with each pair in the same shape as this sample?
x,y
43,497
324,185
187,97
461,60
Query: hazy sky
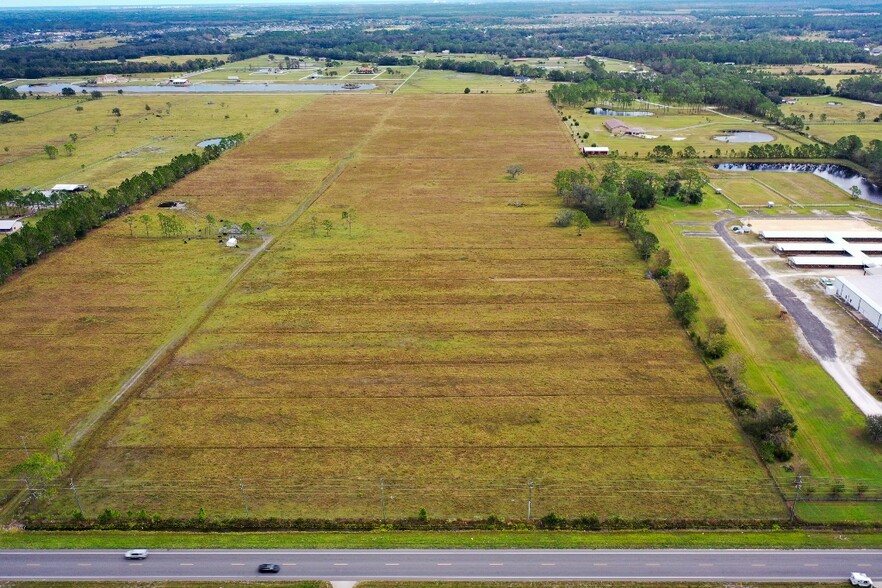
x,y
105,3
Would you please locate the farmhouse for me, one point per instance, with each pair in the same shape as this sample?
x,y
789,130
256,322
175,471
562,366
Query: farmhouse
x,y
864,294
7,227
618,128
179,82
594,151
366,69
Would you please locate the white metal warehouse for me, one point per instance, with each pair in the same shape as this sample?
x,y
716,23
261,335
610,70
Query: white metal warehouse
x,y
864,294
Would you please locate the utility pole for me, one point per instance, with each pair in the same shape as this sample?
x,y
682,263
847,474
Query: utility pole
x,y
383,497
530,500
77,497
798,484
24,443
244,497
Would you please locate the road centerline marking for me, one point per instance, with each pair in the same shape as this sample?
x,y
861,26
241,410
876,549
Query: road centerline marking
x,y
392,564
495,564
445,564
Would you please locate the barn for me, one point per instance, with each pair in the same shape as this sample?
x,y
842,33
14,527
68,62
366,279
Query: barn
x,y
594,151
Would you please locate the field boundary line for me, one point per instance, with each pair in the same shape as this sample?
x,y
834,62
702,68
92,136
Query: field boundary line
x,y
407,79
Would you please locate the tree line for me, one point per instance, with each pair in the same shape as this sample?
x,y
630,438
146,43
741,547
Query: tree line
x,y
80,213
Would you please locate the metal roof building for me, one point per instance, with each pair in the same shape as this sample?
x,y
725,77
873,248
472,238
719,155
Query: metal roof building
x,y
864,294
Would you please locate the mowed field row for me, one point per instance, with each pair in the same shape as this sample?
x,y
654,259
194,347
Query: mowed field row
x,y
452,343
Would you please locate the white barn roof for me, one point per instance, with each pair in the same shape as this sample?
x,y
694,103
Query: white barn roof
x,y
841,261
820,235
69,187
8,225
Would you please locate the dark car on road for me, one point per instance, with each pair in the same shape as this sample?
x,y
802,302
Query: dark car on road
x,y
268,568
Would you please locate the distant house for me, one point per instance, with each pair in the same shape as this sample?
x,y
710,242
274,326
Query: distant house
x,y
618,128
594,151
109,79
232,242
7,227
445,52
521,79
233,79
179,82
366,69
69,188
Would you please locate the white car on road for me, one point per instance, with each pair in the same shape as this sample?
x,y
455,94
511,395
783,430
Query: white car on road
x,y
136,554
862,580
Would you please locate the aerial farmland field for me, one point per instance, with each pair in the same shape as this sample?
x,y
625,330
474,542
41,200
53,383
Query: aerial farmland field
x,y
451,351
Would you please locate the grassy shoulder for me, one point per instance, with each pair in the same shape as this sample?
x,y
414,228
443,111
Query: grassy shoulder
x,y
799,539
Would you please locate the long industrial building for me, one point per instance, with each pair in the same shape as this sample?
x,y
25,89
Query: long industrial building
x,y
828,249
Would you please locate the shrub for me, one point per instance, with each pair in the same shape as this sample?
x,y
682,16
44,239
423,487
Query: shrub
x,y
564,217
423,516
874,428
551,521
716,346
685,307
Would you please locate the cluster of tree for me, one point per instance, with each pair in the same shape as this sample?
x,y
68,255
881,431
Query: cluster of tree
x,y
80,213
42,467
771,426
755,52
40,62
850,147
867,88
7,93
620,189
9,117
490,68
674,286
678,82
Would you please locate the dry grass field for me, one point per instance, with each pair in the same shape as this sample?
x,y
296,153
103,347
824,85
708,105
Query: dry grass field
x,y
449,351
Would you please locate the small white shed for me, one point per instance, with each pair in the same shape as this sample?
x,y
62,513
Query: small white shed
x,y
232,242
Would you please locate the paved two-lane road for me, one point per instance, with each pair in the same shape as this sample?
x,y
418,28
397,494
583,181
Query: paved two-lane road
x,y
343,565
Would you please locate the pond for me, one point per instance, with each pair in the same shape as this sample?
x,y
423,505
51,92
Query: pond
x,y
607,112
744,137
839,175
55,88
208,142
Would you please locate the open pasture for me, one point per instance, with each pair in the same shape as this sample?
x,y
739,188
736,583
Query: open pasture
x,y
448,352
757,188
452,82
111,148
675,130
841,117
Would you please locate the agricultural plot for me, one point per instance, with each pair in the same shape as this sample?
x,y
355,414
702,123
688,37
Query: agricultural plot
x,y
674,130
101,306
448,352
111,148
